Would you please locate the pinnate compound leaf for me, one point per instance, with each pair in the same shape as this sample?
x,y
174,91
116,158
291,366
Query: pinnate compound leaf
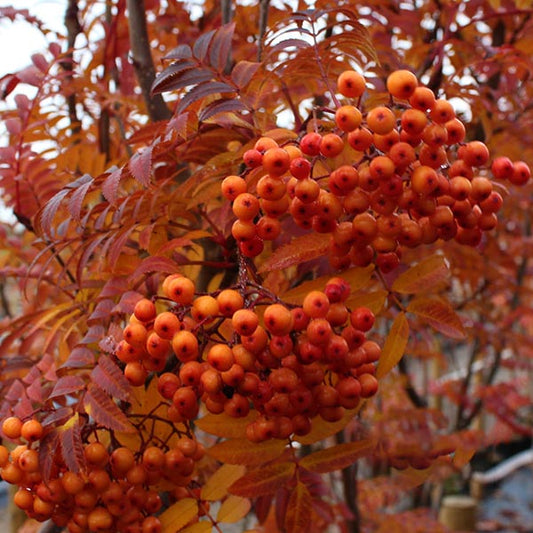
x,y
104,410
201,45
243,72
75,202
374,300
394,346
110,185
321,429
244,452
263,480
203,526
233,508
71,444
220,48
439,314
225,426
223,105
299,510
427,275
140,166
177,516
217,485
201,91
67,385
337,457
300,249
111,378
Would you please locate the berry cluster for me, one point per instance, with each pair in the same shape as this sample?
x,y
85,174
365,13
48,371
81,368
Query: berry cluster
x,y
241,349
119,490
397,175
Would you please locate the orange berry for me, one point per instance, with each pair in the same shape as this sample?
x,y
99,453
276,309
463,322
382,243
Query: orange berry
x,y
310,143
205,309
11,427
351,84
278,319
31,430
348,117
229,301
381,120
422,98
135,373
135,334
167,324
424,180
265,143
245,321
361,139
232,186
402,84
276,161
442,111
185,346
413,121
181,290
331,145
502,168
521,173
245,207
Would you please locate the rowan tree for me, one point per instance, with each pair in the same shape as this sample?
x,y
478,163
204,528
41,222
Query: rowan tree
x,y
252,243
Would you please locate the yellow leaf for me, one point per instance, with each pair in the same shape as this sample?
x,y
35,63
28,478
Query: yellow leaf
x,y
374,300
428,275
233,508
177,516
320,429
225,426
204,526
336,457
439,314
244,452
217,485
394,347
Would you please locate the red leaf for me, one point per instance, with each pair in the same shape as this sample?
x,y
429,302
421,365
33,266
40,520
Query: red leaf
x,y
243,72
110,185
183,51
220,49
76,200
439,314
300,249
8,84
79,357
71,444
201,91
49,211
224,105
140,166
201,45
263,480
48,448
299,510
99,406
111,378
429,274
40,62
67,385
167,78
336,457
155,264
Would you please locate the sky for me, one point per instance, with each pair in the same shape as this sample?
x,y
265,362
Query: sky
x,y
19,40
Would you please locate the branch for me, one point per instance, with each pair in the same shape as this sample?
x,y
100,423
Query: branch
x,y
74,28
263,22
142,60
349,485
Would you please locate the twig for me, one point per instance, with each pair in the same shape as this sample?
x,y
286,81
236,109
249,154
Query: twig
x,y
263,22
142,60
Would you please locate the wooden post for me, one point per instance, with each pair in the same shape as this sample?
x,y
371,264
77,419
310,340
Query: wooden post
x,y
458,513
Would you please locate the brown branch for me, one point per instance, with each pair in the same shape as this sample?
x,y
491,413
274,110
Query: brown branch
x,y
263,22
349,485
142,60
74,28
226,10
